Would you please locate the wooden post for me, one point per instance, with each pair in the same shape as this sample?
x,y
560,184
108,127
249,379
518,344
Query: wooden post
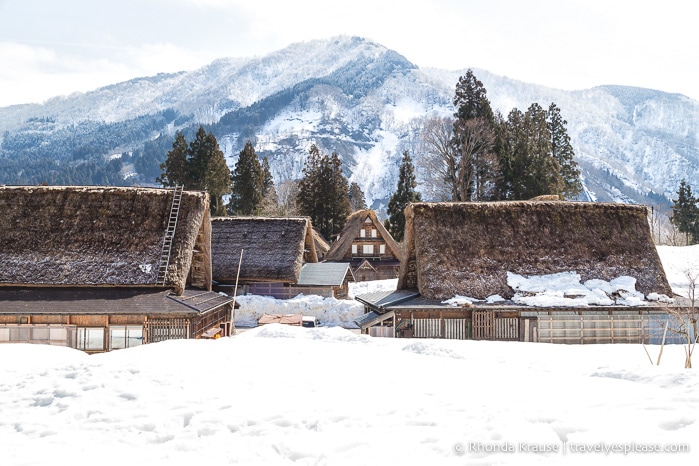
x,y
235,293
662,345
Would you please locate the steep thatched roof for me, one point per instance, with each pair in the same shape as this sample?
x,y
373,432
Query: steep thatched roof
x,y
468,248
355,222
94,236
322,246
275,248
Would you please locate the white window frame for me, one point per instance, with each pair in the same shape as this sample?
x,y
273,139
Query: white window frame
x,y
354,249
362,233
368,249
90,338
382,249
127,336
373,232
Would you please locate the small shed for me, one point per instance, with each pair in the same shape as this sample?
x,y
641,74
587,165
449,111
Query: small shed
x,y
326,279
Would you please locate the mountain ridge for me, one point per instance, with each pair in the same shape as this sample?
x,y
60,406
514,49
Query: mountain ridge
x,y
348,95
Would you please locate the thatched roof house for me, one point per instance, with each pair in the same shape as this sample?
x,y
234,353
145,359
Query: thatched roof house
x,y
275,249
95,236
103,268
468,248
365,240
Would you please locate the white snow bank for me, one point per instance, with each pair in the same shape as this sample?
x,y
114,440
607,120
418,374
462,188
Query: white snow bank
x,y
677,262
330,311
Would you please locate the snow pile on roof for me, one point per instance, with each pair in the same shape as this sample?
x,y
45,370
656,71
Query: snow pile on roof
x,y
565,290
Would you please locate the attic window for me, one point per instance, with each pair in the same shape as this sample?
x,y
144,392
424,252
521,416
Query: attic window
x,y
362,233
368,220
354,249
373,232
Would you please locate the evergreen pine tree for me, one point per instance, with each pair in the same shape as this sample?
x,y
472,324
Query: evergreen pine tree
x,y
685,213
404,195
208,170
356,197
248,183
474,138
322,194
175,169
562,151
270,201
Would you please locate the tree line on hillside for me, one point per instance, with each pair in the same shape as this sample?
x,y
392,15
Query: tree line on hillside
x,y
323,194
476,156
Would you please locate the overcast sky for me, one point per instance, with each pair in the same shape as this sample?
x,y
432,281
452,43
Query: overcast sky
x,y
50,48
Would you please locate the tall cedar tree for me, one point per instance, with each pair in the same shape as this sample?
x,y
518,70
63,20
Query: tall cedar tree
x,y
532,169
356,197
562,151
270,199
175,170
208,170
322,193
201,167
685,213
404,195
474,138
248,183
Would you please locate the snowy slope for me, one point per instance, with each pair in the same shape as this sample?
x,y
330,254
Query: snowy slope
x,y
366,103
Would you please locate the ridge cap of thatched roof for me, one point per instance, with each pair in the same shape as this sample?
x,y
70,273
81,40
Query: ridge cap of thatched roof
x,y
354,222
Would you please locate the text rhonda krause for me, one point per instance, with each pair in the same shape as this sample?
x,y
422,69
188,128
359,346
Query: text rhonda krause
x,y
572,447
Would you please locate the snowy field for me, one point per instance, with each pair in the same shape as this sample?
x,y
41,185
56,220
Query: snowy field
x,y
279,395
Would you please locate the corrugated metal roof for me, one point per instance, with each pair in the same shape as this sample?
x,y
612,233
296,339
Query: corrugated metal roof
x,y
380,300
371,318
111,301
324,273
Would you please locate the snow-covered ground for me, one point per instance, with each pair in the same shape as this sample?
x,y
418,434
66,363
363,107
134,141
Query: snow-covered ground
x,y
280,395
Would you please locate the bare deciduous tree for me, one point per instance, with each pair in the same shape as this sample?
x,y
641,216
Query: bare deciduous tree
x,y
684,318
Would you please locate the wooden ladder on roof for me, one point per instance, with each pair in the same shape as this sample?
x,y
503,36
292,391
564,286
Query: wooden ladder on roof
x,y
169,235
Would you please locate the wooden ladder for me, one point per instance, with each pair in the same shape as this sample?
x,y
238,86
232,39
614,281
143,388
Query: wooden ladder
x,y
169,235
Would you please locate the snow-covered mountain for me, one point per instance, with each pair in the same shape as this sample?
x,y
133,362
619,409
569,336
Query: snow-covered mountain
x,y
350,96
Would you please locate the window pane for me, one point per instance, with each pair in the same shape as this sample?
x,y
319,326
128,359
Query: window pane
x,y
382,249
4,334
362,233
40,333
134,336
373,233
354,249
91,338
368,249
58,334
117,337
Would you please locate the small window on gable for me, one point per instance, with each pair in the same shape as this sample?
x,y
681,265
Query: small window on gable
x,y
368,220
368,249
354,249
362,233
382,249
373,232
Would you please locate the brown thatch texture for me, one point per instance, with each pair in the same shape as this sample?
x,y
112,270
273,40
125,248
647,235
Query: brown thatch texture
x,y
342,248
275,249
94,236
468,248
